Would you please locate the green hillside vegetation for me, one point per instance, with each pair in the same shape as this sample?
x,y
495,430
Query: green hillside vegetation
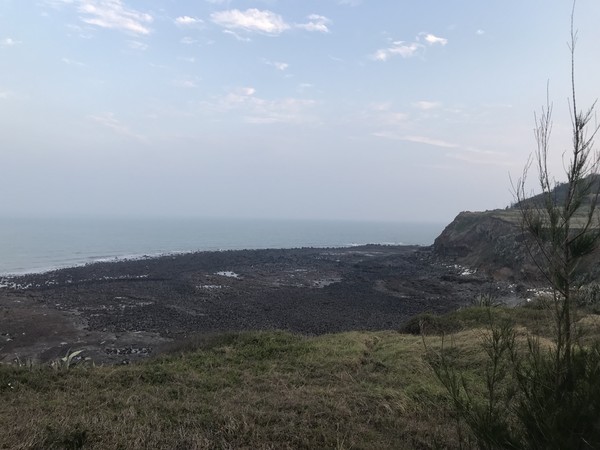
x,y
514,215
265,390
559,194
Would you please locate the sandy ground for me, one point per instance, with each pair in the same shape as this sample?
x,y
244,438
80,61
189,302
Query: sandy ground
x,y
124,311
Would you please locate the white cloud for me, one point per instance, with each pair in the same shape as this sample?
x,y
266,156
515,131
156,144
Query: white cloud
x,y
256,110
4,95
480,32
315,23
8,42
251,20
408,49
187,21
426,105
265,21
113,14
237,36
401,48
416,139
457,152
278,65
432,39
429,141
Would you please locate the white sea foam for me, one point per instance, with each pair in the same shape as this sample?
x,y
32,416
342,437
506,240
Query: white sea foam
x,y
356,244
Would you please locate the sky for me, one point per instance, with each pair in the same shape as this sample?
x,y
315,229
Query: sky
x,y
377,110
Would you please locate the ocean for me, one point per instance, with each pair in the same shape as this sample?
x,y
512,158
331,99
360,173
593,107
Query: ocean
x,y
36,245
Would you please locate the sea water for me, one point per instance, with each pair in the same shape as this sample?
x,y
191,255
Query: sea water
x,y
35,245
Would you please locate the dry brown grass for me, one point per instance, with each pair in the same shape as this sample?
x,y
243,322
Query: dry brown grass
x,y
250,390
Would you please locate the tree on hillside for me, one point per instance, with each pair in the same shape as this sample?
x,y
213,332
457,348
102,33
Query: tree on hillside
x,y
563,228
536,397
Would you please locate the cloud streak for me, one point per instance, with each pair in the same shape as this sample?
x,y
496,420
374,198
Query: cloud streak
x,y
187,21
252,20
401,48
266,22
110,14
315,23
108,120
281,66
458,152
429,141
256,110
407,49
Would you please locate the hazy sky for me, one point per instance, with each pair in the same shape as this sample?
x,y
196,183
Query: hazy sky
x,y
328,109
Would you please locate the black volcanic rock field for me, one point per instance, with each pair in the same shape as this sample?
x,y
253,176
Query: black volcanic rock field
x,y
119,312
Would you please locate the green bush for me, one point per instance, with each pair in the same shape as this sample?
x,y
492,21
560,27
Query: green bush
x,y
529,401
589,295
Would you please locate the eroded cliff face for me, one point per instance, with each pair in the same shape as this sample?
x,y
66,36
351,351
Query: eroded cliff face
x,y
494,242
490,241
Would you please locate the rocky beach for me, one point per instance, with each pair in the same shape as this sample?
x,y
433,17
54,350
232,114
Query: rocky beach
x,y
120,312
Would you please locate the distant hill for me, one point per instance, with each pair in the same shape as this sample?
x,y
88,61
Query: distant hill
x,y
560,192
493,241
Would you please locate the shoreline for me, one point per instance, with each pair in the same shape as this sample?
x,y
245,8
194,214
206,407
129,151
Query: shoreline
x,y
87,262
124,311
34,246
149,256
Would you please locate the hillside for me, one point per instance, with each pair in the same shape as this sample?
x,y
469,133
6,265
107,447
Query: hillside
x,y
494,241
263,390
560,191
490,241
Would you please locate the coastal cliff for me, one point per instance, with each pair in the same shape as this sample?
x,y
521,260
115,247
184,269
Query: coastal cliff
x,y
495,243
490,241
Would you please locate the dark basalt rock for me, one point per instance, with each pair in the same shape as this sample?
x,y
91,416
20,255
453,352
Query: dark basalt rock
x,y
108,309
